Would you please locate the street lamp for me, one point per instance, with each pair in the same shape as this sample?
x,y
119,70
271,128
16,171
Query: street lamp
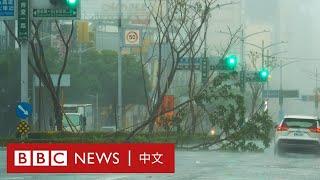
x,y
242,39
263,48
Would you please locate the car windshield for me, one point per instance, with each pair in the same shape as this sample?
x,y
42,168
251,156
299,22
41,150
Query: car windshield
x,y
300,123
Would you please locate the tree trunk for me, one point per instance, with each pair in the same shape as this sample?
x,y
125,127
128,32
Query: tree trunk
x,y
151,126
58,116
193,119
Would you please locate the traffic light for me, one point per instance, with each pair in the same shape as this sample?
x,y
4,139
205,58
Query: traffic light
x,y
83,31
72,3
264,75
63,3
230,62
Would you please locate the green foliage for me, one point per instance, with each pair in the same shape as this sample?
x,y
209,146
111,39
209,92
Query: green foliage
x,y
226,105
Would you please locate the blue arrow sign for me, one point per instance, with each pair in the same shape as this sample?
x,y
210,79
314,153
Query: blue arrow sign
x,y
24,110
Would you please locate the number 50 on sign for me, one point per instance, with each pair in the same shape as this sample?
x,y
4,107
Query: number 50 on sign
x,y
132,37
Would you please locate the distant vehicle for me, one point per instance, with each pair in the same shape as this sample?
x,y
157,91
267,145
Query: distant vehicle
x,y
81,109
297,133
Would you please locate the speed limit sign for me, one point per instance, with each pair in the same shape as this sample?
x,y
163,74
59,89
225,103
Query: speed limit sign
x,y
132,37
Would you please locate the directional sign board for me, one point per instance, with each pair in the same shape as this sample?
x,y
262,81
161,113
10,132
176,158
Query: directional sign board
x,y
309,98
42,9
8,9
23,19
276,93
132,37
23,110
186,63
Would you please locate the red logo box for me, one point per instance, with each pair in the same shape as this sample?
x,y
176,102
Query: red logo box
x,y
90,158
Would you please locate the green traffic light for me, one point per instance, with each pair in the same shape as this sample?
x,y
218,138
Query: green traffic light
x,y
231,62
264,74
72,3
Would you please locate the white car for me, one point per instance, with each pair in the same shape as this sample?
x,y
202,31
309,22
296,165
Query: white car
x,y
297,132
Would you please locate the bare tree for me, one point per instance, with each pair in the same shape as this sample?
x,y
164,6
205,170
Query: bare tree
x,y
38,62
179,32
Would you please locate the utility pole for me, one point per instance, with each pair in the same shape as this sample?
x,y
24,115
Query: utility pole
x,y
267,65
120,67
281,93
316,98
243,84
97,123
262,65
24,71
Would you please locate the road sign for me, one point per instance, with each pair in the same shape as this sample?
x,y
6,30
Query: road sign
x,y
23,110
290,93
276,93
42,9
308,97
132,37
23,128
23,19
8,9
186,63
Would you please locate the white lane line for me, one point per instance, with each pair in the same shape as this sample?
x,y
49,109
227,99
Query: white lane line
x,y
9,178
112,178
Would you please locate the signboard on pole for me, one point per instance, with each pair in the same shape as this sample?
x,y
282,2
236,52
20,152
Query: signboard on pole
x,y
187,63
309,98
132,37
23,19
44,9
8,9
276,93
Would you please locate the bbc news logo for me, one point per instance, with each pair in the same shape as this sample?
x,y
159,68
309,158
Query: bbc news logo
x,y
40,158
90,158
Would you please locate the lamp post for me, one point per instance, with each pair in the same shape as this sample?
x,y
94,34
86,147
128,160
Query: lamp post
x,y
119,119
263,48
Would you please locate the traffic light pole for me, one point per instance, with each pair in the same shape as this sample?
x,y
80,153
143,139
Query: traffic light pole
x,y
243,84
281,93
262,66
24,71
120,68
316,104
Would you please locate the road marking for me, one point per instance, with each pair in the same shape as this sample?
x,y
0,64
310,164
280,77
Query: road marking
x,y
7,178
112,178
